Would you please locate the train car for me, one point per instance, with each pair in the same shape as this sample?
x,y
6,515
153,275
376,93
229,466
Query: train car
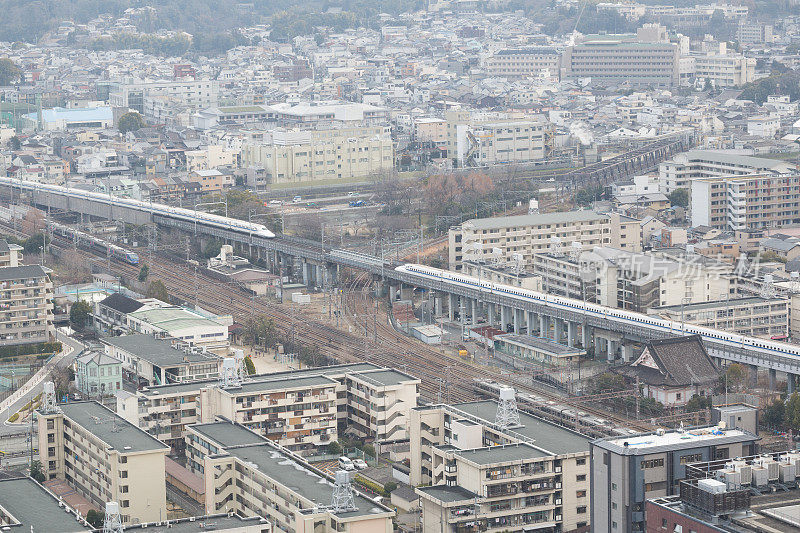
x,y
733,340
95,243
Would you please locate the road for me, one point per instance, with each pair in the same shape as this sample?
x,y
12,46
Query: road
x,y
32,387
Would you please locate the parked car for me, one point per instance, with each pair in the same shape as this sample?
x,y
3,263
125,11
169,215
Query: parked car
x,y
361,464
346,464
352,193
297,199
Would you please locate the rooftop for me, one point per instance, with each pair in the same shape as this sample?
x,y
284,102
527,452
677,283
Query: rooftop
x,y
35,508
173,318
111,428
448,494
160,352
646,443
21,272
226,434
387,377
560,217
501,454
717,304
540,344
299,382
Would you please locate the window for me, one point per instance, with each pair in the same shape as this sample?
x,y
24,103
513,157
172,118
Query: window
x,y
581,509
580,477
613,486
581,461
580,493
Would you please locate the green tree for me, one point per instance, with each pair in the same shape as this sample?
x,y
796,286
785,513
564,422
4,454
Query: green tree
x,y
369,449
37,472
33,243
156,289
697,403
15,143
212,248
388,487
249,366
131,121
774,414
608,381
735,377
334,448
679,198
79,314
95,518
792,412
143,273
9,72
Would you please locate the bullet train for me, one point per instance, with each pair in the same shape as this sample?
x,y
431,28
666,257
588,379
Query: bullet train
x,y
202,219
714,336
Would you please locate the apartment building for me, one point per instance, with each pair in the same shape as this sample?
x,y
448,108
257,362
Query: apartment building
x,y
505,274
755,316
524,63
628,471
305,155
471,474
483,239
197,94
736,203
681,169
105,458
180,323
475,140
252,476
297,409
724,69
26,300
633,281
325,114
752,32
644,59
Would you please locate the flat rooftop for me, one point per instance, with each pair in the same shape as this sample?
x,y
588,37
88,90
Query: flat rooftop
x,y
673,440
720,304
273,461
501,454
227,434
35,508
539,344
551,437
299,382
386,378
111,428
159,352
219,522
559,217
448,494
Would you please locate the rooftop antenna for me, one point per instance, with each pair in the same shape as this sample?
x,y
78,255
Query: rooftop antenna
x,y
112,522
795,282
497,255
230,374
507,412
49,401
241,371
767,288
556,248
575,251
517,262
342,497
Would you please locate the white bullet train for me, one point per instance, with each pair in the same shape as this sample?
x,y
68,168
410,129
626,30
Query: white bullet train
x,y
715,336
202,219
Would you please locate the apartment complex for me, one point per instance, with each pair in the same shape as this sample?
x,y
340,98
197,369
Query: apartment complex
x,y
628,471
644,59
678,172
304,155
736,203
250,475
724,69
26,300
476,475
105,458
299,410
524,63
497,138
197,94
496,238
628,280
755,316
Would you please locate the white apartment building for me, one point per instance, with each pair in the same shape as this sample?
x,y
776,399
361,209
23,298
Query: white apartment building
x,y
524,63
252,476
471,474
26,299
197,94
487,239
766,126
105,458
724,69
306,155
681,169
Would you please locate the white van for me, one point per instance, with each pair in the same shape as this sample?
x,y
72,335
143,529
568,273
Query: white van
x,y
297,199
346,464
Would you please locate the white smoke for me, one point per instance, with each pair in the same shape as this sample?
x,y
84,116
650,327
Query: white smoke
x,y
582,132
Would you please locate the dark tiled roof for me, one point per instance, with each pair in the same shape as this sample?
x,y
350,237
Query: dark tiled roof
x,y
121,303
680,361
21,272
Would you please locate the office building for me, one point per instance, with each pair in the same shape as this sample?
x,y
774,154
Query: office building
x,y
196,94
26,299
754,316
210,332
724,69
470,472
250,475
105,458
754,33
739,203
524,63
498,238
320,154
678,172
628,471
644,59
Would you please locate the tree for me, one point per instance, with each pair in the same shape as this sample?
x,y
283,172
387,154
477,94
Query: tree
x,y
774,414
735,376
95,518
609,381
369,449
130,122
37,472
388,487
79,314
792,412
334,448
143,273
156,289
697,403
33,243
249,366
679,198
15,143
212,248
9,72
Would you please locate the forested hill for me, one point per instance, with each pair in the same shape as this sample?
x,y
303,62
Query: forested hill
x,y
29,20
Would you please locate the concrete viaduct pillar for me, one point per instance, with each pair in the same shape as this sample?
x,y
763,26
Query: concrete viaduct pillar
x,y
543,327
393,293
451,306
586,334
558,330
773,376
571,327
516,320
474,312
529,322
490,313
437,304
790,383
753,376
